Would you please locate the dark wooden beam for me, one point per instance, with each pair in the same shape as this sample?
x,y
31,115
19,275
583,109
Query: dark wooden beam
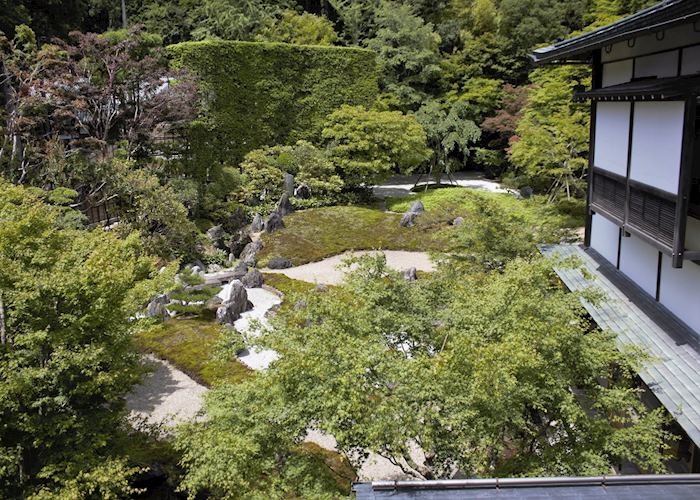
x,y
684,178
596,82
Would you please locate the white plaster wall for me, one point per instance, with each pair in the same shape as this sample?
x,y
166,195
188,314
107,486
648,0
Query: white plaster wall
x,y
692,235
604,236
673,38
615,73
639,262
691,60
656,144
611,136
679,291
660,65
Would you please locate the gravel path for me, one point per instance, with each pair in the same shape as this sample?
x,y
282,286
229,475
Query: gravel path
x,y
400,185
167,396
255,358
327,271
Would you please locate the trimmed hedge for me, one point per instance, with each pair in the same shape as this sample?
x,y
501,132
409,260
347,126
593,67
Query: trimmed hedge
x,y
262,93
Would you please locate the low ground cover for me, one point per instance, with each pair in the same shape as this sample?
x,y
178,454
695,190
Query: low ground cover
x,y
190,345
463,202
314,234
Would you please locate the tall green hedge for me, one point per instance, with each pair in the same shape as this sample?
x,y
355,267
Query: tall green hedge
x,y
271,93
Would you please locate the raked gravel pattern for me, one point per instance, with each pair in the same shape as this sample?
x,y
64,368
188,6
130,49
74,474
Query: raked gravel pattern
x,y
330,271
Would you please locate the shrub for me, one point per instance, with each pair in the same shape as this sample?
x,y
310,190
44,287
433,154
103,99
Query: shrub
x,y
367,146
259,93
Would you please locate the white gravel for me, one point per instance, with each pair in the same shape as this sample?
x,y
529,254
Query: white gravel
x,y
166,396
329,271
401,185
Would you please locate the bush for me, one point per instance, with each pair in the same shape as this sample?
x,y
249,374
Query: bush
x,y
367,146
264,169
261,93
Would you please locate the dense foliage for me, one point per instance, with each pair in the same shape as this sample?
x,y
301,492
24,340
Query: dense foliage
x,y
66,358
454,372
267,93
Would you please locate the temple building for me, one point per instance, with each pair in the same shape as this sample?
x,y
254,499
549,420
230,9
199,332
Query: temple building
x,y
642,239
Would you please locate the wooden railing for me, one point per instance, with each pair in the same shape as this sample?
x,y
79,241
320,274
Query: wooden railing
x,y
640,209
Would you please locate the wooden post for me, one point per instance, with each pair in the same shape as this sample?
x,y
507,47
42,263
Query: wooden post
x,y
596,82
684,177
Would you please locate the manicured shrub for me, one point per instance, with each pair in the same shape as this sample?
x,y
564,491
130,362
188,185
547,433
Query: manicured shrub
x,y
367,145
261,93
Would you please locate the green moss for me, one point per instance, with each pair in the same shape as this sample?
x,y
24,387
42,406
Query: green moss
x,y
189,344
287,285
315,234
461,202
271,93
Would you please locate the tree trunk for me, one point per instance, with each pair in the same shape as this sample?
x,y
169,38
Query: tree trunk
x,y
3,331
124,23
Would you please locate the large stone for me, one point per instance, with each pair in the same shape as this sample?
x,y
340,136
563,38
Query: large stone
x,y
235,302
215,235
249,255
458,221
410,274
274,222
279,263
237,219
156,307
238,242
257,224
417,207
284,206
252,279
303,192
289,184
240,270
526,192
408,219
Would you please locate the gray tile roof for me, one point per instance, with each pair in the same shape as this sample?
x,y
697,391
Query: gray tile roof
x,y
658,17
666,487
674,374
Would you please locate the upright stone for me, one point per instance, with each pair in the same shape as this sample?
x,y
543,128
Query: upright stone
x,y
257,224
417,207
274,222
289,184
284,206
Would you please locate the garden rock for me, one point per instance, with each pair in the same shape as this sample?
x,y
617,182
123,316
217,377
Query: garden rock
x,y
279,263
459,221
303,192
274,222
240,270
284,206
408,219
238,242
214,301
235,303
289,184
526,192
216,236
213,268
410,274
417,207
236,220
156,307
249,255
253,279
257,224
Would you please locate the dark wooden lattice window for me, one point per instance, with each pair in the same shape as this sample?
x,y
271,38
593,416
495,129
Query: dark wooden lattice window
x,y
609,195
653,215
